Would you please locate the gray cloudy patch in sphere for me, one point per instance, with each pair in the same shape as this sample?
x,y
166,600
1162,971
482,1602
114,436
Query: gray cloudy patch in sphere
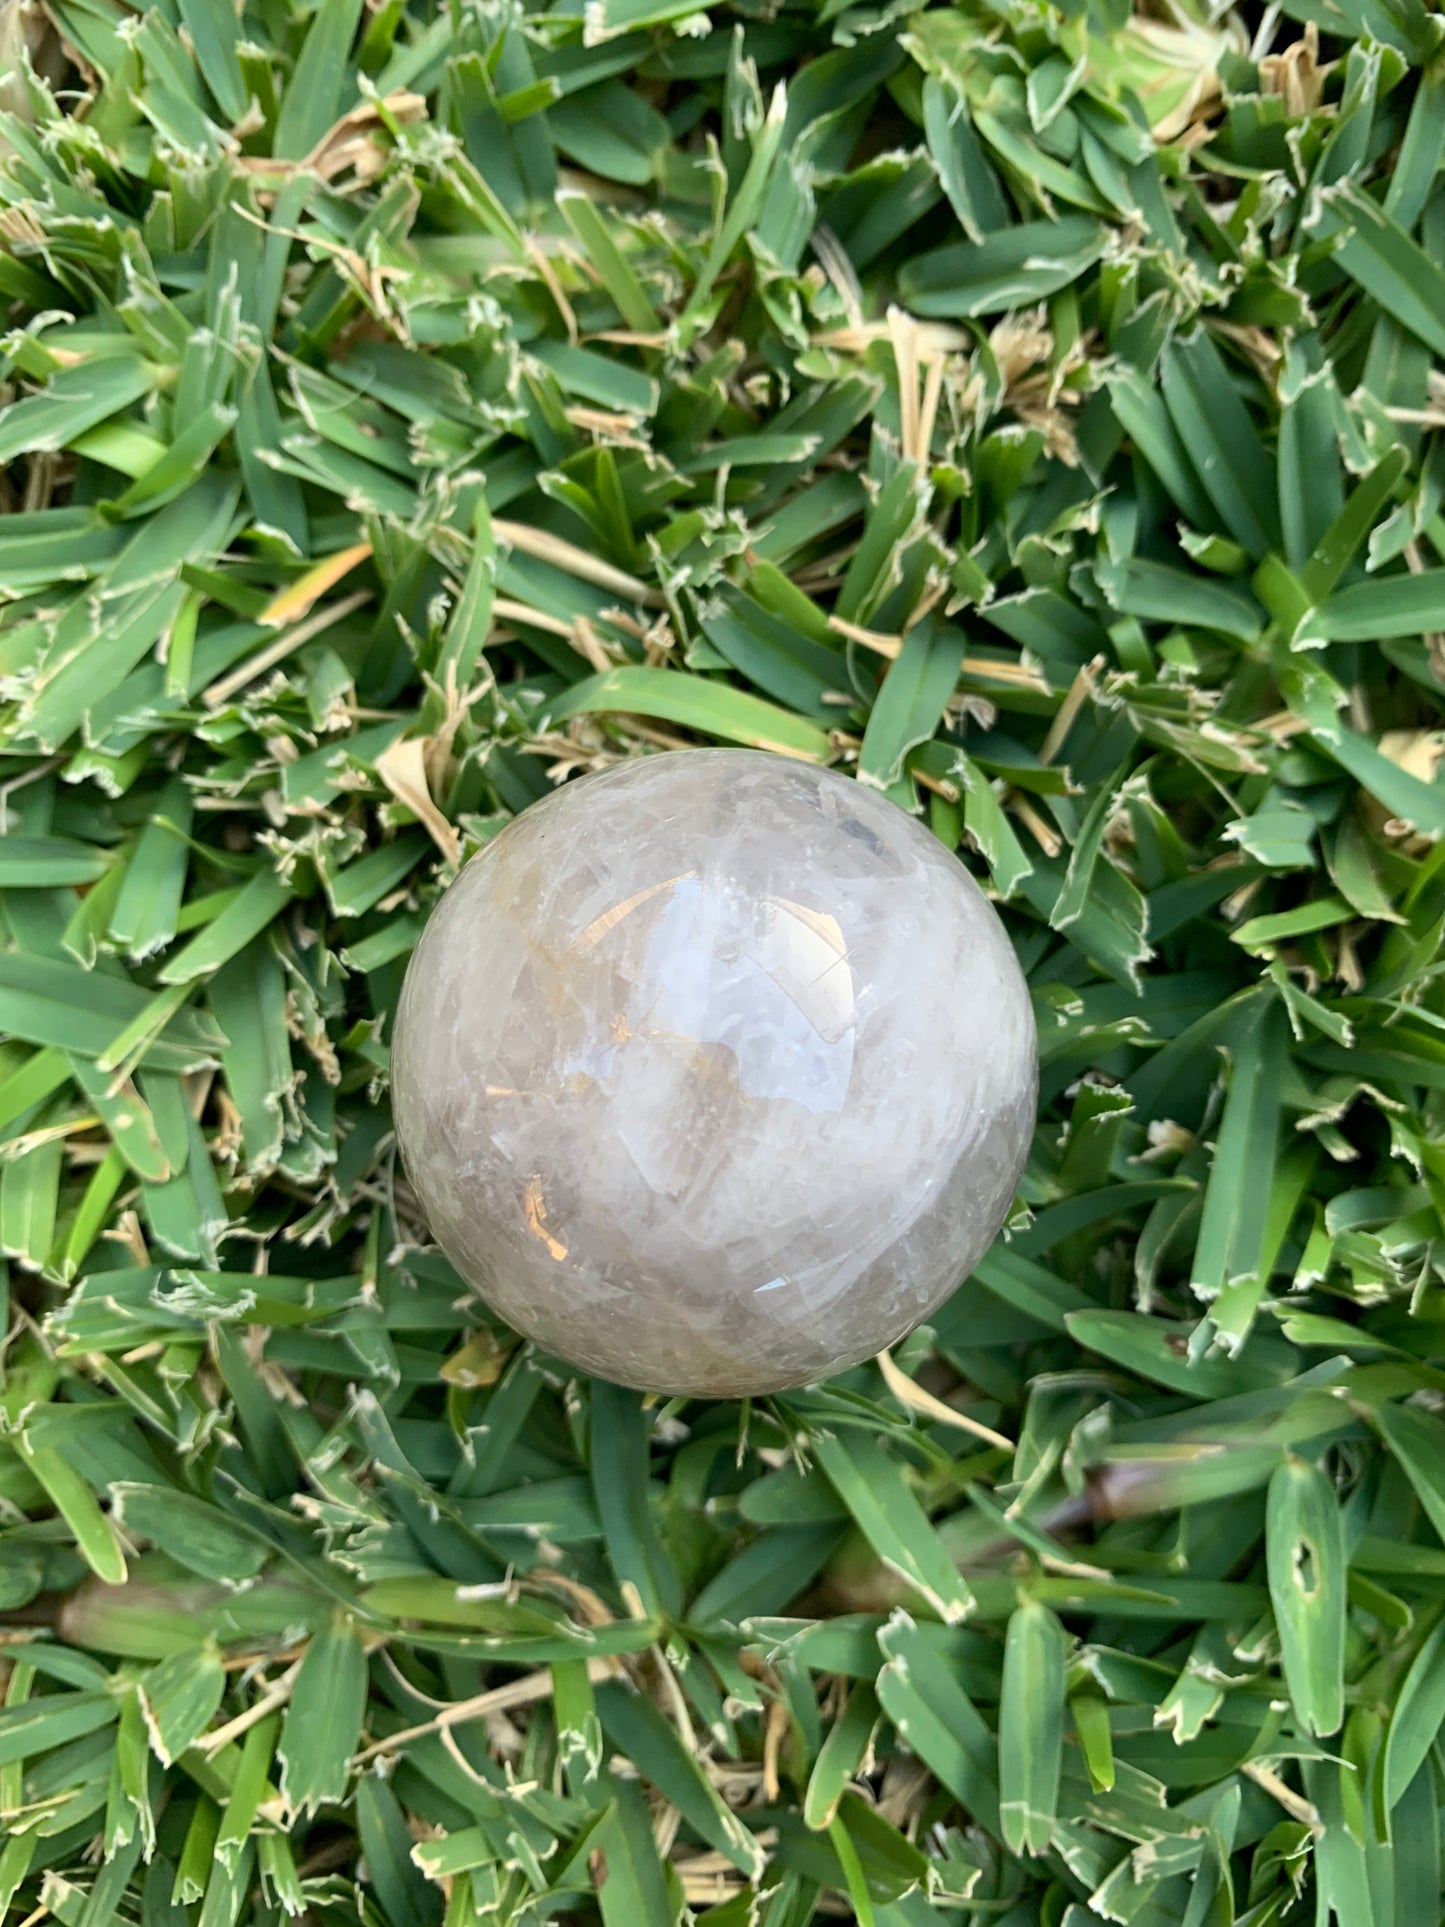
x,y
715,1073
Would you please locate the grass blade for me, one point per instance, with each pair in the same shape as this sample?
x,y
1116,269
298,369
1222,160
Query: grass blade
x,y
1031,1728
1306,1544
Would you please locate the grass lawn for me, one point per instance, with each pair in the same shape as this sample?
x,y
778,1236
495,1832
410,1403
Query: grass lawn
x,y
1034,410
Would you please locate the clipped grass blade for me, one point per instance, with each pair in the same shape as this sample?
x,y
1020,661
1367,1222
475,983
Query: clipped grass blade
x,y
1306,1547
1031,1723
1225,450
95,1537
712,709
930,1710
1008,268
324,1718
875,1490
911,701
1232,1226
75,400
178,1699
1388,266
841,1758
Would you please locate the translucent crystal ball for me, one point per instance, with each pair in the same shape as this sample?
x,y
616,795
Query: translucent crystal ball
x,y
715,1073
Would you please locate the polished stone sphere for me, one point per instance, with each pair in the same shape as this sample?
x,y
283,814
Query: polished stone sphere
x,y
715,1073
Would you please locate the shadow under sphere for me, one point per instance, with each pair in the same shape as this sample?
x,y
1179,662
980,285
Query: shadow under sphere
x,y
715,1073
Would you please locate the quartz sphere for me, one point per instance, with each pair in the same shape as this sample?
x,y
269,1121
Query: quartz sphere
x,y
715,1073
